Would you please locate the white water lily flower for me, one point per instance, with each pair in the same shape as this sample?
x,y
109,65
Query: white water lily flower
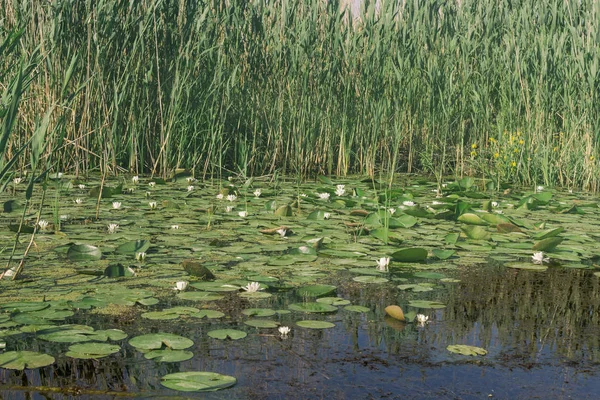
x,y
437,203
392,210
190,179
190,188
16,181
130,190
220,196
538,258
252,287
59,175
382,264
43,224
151,184
116,205
243,214
174,226
408,203
81,186
78,201
422,319
495,204
539,188
112,228
444,185
141,256
63,217
284,331
340,190
152,205
303,195
229,209
281,232
257,193
326,215
181,286
135,179
231,197
323,196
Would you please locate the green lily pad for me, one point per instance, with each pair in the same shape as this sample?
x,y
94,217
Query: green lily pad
x,y
209,314
24,306
199,296
476,232
369,279
547,244
223,334
310,324
92,350
316,290
197,381
133,247
84,252
168,355
527,266
334,301
443,254
261,323
312,307
118,270
24,360
471,219
359,309
414,254
466,350
426,304
156,341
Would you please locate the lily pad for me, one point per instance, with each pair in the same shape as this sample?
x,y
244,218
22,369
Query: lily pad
x,y
24,360
310,324
199,296
316,290
84,252
168,355
334,301
92,350
261,323
223,334
258,312
359,309
197,381
369,279
426,304
547,244
312,307
466,350
156,341
133,247
414,254
443,254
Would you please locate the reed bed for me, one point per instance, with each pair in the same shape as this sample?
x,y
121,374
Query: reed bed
x,y
505,90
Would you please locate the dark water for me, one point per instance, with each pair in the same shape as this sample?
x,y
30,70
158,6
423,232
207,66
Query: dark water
x,y
541,330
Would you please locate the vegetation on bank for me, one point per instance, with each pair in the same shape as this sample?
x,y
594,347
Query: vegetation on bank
x,y
506,90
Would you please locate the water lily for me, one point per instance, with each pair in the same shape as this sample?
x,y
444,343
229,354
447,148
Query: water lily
x,y
436,203
43,224
495,204
78,201
340,190
281,232
135,179
422,319
539,188
190,188
326,215
181,286
81,186
538,258
408,203
229,208
16,181
323,196
116,205
231,197
152,205
392,210
257,193
220,196
141,256
243,214
112,228
175,227
284,331
305,195
151,184
382,264
190,179
252,287
59,175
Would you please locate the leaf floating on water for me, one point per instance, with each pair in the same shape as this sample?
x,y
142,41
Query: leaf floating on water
x,y
548,244
426,304
156,341
21,360
467,350
168,355
92,350
84,252
312,307
414,254
223,334
315,324
316,290
197,381
395,312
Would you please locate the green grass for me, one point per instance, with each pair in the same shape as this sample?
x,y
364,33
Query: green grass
x,y
254,86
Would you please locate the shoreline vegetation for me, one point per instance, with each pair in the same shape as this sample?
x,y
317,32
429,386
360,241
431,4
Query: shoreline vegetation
x,y
505,90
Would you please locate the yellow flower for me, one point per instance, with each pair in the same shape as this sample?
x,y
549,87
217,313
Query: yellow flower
x,y
555,148
473,153
496,155
521,142
518,133
515,150
492,140
513,164
474,146
592,158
